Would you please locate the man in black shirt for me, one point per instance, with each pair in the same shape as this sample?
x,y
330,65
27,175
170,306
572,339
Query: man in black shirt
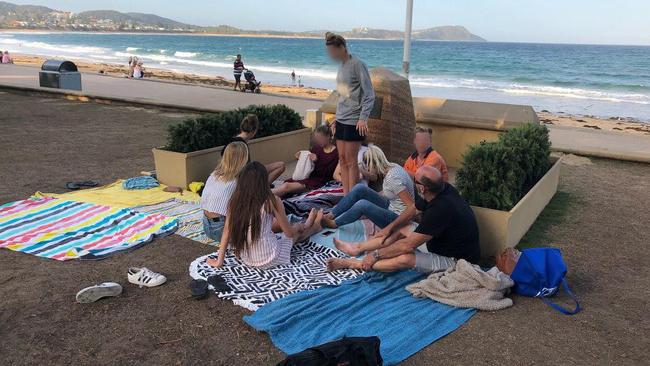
x,y
448,227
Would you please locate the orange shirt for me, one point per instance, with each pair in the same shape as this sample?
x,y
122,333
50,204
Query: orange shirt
x,y
432,158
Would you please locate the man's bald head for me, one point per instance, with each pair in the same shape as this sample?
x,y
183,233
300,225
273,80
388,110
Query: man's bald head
x,y
430,178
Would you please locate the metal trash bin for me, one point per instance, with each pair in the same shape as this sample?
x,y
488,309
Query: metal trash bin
x,y
59,74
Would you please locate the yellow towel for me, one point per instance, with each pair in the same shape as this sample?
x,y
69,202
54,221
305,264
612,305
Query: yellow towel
x,y
116,196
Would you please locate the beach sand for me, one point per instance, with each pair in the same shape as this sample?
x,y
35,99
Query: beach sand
x,y
615,124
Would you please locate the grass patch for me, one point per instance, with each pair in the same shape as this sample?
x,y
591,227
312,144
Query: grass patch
x,y
555,213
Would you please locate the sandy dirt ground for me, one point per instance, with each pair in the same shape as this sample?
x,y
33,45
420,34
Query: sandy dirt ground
x,y
48,142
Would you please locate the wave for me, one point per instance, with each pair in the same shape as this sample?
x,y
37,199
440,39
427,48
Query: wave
x,y
530,89
26,46
131,49
185,54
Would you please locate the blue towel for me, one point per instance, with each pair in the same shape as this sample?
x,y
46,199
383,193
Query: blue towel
x,y
373,304
144,182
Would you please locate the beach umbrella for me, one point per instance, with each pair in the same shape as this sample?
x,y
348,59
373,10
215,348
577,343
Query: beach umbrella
x,y
407,37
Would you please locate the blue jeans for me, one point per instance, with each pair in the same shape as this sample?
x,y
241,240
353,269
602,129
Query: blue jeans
x,y
363,201
213,229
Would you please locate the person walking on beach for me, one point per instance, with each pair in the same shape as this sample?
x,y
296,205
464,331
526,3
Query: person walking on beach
x,y
131,66
238,68
6,59
293,77
356,99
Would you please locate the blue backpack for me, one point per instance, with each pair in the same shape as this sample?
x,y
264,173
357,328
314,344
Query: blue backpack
x,y
539,273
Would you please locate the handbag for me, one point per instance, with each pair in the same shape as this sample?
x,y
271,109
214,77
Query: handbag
x,y
353,351
539,273
304,167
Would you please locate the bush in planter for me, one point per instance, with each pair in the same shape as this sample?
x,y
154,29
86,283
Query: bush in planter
x,y
498,174
217,129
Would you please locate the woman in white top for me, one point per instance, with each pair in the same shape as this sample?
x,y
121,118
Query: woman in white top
x,y
382,208
253,212
220,186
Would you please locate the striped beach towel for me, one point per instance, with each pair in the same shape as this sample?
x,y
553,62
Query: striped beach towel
x,y
64,230
189,215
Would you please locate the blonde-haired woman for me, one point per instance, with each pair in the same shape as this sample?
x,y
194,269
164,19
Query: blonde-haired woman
x,y
220,187
381,208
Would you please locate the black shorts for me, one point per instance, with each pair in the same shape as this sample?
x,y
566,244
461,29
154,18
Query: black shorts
x,y
347,132
237,77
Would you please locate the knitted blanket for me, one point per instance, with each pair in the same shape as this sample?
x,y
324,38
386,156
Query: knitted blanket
x,y
466,286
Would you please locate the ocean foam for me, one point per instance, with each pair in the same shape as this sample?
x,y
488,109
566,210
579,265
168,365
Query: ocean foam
x,y
185,54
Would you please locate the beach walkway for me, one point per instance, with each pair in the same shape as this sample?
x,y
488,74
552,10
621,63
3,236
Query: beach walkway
x,y
580,141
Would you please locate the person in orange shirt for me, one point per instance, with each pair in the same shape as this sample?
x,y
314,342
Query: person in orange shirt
x,y
425,155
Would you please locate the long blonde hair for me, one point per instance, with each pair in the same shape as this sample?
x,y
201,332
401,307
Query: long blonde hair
x,y
234,158
375,160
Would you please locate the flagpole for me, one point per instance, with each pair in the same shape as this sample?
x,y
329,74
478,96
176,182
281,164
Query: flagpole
x,y
407,37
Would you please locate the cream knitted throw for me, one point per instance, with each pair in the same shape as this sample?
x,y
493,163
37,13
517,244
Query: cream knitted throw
x,y
465,285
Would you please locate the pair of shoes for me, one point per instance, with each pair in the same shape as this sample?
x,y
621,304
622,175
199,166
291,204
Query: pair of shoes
x,y
199,288
138,276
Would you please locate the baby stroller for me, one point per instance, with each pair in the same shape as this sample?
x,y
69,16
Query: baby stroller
x,y
250,84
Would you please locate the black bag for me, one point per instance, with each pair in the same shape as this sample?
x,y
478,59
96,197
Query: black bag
x,y
354,351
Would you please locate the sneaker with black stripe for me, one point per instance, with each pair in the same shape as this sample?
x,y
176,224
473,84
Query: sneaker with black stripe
x,y
145,277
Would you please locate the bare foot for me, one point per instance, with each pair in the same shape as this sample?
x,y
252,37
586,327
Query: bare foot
x,y
347,248
317,223
328,223
335,264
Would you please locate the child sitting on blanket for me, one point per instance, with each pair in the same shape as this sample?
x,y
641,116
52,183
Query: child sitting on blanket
x,y
325,158
253,213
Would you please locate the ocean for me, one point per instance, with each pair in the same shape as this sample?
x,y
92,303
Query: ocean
x,y
595,80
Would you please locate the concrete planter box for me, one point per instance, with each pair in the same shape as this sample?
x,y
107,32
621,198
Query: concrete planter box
x,y
181,169
501,229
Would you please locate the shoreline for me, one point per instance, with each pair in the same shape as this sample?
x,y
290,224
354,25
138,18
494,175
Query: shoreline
x,y
613,124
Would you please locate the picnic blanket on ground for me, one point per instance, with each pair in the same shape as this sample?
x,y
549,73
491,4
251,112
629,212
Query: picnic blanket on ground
x,y
466,285
188,214
116,196
254,288
325,197
63,230
373,304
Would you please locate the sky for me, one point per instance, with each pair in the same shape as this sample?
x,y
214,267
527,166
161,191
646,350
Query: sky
x,y
545,21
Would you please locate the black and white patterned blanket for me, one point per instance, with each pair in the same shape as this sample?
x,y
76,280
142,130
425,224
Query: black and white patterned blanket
x,y
252,287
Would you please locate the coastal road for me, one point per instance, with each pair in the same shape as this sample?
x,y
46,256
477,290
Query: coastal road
x,y
156,92
580,141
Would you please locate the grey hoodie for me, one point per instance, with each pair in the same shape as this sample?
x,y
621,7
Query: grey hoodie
x,y
356,95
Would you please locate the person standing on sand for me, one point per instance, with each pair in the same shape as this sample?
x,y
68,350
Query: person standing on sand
x,y
293,77
238,68
356,99
6,59
131,66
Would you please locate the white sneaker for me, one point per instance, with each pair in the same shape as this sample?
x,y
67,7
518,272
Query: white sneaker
x,y
94,293
145,277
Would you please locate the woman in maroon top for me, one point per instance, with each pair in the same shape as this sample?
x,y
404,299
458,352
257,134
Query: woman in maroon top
x,y
325,158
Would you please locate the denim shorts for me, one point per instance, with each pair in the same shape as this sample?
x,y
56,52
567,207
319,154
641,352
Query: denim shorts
x,y
213,229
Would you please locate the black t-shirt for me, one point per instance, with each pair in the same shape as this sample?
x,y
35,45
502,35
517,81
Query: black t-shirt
x,y
234,139
450,222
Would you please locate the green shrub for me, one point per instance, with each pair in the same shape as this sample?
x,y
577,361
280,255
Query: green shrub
x,y
217,129
498,174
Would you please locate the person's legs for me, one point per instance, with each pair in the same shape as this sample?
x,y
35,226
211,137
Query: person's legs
x,y
237,82
358,193
378,215
354,249
351,153
311,226
288,188
343,163
404,261
275,170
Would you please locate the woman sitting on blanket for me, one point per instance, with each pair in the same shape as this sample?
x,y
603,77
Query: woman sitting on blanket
x,y
325,158
381,208
219,188
252,214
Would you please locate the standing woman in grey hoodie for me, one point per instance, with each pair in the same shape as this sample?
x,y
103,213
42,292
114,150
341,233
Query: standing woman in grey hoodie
x,y
356,99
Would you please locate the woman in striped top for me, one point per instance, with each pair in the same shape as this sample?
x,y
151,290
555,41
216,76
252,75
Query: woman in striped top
x,y
253,212
220,186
